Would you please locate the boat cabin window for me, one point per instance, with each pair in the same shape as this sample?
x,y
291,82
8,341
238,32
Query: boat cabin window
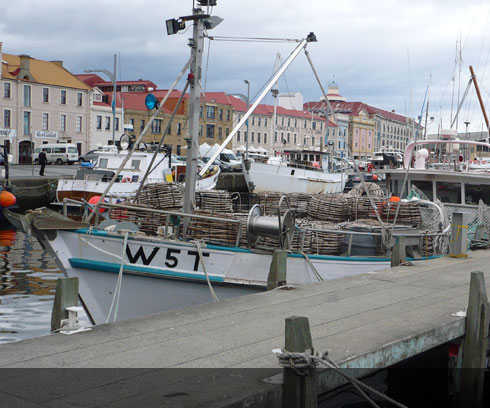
x,y
449,192
103,163
476,192
425,187
135,164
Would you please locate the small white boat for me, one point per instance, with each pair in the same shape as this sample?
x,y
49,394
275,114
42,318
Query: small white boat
x,y
296,174
93,181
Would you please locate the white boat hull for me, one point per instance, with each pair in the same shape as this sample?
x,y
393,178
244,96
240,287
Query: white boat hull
x,y
161,275
285,179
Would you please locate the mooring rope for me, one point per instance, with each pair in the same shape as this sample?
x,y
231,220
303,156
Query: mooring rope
x,y
197,243
117,291
302,363
315,271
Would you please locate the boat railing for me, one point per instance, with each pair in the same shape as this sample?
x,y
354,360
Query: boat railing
x,y
167,214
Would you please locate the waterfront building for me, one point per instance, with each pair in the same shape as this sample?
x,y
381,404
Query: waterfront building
x,y
363,129
41,102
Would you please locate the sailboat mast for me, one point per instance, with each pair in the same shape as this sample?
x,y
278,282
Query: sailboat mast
x,y
196,44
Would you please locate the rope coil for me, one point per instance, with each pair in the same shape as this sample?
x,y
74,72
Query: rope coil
x,y
302,363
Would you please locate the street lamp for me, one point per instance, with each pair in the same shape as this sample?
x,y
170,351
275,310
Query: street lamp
x,y
248,103
112,76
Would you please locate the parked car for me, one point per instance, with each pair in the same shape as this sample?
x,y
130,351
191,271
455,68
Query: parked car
x,y
90,156
224,167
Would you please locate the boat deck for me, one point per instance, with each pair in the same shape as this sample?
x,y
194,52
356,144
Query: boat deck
x,y
371,320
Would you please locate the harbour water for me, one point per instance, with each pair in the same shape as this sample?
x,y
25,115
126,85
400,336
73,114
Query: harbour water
x,y
28,277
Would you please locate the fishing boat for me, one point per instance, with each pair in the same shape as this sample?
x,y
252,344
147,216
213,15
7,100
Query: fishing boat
x,y
92,181
301,172
132,260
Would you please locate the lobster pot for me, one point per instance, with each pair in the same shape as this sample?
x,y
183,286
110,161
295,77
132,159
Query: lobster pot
x,y
213,230
299,203
214,200
269,201
161,196
329,207
311,238
409,212
373,189
147,222
361,207
243,202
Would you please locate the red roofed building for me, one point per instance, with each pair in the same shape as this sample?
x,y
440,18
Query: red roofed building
x,y
369,129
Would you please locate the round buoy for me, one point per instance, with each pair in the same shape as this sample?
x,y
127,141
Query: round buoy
x,y
94,200
375,177
7,199
394,199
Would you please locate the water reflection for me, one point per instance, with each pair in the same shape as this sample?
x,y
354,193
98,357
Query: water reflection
x,y
28,277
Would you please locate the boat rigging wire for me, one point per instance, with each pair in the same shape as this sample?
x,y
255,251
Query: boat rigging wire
x,y
252,39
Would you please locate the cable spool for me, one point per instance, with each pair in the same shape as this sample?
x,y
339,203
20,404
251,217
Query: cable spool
x,y
259,226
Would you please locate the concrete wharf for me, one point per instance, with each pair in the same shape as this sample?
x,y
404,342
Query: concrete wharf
x,y
372,321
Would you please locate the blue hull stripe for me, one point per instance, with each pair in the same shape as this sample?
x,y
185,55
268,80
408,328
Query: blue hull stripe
x,y
290,255
113,267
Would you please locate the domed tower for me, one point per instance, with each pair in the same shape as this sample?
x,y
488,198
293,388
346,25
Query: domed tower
x,y
333,93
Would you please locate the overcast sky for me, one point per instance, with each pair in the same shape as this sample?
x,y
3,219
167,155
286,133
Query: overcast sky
x,y
381,52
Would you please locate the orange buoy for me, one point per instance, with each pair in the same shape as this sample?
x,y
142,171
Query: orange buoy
x,y
375,177
7,199
94,200
394,199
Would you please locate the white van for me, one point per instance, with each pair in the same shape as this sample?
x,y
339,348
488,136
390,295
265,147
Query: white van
x,y
58,153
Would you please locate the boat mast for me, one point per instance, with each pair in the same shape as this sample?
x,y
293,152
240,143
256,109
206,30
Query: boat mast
x,y
194,77
477,89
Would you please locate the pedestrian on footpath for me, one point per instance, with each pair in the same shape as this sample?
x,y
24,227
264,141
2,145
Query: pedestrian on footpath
x,y
42,160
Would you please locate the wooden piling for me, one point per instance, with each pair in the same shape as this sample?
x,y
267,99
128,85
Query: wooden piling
x,y
299,391
475,344
66,296
278,269
398,253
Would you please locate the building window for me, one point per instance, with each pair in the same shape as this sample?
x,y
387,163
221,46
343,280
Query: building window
x,y
220,133
6,118
282,121
116,124
313,125
179,128
156,126
63,123
265,138
227,115
295,122
6,90
45,95
45,121
313,140
178,150
107,123
142,125
275,137
258,137
200,111
79,99
294,138
131,122
99,122
289,137
227,132
259,120
79,124
27,123
253,120
220,114
265,121
27,95
289,121
305,124
169,129
63,97
253,137
210,131
210,112
238,136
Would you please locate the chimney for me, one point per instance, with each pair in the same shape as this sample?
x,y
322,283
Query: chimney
x,y
393,111
58,63
25,68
